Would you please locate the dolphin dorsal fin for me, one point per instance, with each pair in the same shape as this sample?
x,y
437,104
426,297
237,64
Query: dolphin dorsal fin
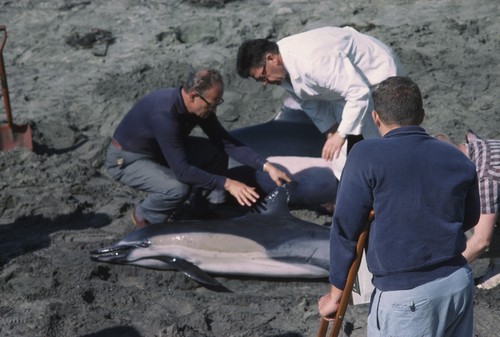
x,y
276,202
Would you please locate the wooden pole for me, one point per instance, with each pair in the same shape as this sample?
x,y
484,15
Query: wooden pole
x,y
346,294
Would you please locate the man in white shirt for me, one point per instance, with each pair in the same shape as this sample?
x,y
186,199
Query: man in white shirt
x,y
329,72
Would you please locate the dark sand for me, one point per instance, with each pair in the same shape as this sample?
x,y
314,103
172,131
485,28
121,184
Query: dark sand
x,y
57,203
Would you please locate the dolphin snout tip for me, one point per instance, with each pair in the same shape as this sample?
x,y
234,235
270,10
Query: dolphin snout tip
x,y
114,253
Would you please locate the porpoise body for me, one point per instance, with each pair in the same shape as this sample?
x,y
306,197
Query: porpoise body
x,y
266,242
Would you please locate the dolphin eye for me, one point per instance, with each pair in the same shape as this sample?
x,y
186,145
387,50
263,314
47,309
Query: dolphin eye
x,y
145,243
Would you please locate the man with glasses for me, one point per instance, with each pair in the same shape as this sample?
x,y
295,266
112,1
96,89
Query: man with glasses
x,y
329,72
152,151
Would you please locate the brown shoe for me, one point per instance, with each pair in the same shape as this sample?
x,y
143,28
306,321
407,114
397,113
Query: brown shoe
x,y
138,223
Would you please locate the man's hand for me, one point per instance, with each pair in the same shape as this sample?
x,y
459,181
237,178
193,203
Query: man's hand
x,y
332,146
276,174
245,195
329,304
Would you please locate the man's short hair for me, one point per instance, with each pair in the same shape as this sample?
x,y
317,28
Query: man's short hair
x,y
251,54
203,79
398,100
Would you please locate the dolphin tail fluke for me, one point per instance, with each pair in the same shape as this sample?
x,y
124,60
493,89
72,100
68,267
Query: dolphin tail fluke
x,y
193,272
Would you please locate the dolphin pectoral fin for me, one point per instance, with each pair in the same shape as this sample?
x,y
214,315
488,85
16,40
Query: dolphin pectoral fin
x,y
193,272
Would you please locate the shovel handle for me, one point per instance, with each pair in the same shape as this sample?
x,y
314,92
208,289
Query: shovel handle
x,y
3,28
3,79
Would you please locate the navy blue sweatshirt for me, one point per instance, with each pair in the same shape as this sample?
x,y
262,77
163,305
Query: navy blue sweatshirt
x,y
425,196
158,124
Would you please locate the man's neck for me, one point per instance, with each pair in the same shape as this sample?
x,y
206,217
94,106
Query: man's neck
x,y
384,128
186,99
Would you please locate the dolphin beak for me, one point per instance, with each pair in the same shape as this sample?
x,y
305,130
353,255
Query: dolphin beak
x,y
112,254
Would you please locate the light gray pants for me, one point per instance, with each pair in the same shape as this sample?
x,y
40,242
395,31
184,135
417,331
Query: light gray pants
x,y
441,308
165,192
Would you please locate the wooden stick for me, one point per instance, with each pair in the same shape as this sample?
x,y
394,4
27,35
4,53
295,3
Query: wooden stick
x,y
346,294
323,327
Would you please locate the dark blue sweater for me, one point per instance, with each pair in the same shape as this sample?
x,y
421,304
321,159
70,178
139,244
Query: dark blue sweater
x,y
158,124
425,196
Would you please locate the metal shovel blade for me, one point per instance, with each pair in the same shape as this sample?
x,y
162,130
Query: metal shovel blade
x,y
14,136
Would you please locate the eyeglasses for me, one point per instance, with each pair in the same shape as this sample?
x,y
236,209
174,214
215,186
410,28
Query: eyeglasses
x,y
263,75
211,106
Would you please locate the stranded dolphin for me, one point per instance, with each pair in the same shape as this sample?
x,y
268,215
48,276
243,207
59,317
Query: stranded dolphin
x,y
268,241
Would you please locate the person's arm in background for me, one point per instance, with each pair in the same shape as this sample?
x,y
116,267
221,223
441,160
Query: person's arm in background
x,y
481,238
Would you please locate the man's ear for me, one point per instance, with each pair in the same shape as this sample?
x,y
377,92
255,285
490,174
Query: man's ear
x,y
192,95
376,118
270,57
422,117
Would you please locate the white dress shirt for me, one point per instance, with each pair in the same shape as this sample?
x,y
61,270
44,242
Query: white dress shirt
x,y
332,71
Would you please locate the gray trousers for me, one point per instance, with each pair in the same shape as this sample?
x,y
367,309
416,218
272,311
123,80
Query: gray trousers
x,y
165,192
440,308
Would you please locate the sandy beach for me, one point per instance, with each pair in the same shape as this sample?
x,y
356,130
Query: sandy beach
x,y
75,67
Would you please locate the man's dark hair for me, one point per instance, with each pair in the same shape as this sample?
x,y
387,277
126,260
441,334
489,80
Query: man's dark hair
x,y
398,100
251,54
203,79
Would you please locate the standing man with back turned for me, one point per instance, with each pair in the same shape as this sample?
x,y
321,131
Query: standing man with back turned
x,y
329,72
152,150
425,196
